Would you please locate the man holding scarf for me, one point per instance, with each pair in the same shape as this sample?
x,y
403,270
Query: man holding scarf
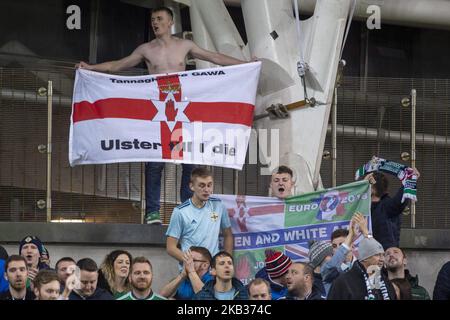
x,y
386,211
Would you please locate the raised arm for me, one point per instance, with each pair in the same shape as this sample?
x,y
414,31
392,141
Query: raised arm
x,y
174,234
170,289
327,270
394,205
71,283
130,61
189,267
214,57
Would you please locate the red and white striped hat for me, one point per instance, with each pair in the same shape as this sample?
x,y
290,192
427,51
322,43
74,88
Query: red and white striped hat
x,y
277,263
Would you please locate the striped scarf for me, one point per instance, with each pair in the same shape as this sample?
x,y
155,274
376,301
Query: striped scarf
x,y
379,284
403,173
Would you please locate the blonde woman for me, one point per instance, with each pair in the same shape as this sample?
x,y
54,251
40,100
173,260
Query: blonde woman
x,y
114,271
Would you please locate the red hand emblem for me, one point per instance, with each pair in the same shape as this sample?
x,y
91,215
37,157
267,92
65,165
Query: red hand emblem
x,y
241,212
243,268
171,112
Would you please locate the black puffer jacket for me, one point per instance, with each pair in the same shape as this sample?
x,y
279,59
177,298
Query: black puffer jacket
x,y
352,286
442,287
99,294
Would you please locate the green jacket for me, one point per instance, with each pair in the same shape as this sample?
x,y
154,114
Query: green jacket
x,y
418,292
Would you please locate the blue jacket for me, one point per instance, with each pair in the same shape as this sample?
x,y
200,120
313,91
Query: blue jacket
x,y
276,289
442,287
332,268
185,290
3,282
386,222
207,292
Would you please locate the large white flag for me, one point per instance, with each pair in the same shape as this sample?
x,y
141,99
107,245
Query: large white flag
x,y
201,117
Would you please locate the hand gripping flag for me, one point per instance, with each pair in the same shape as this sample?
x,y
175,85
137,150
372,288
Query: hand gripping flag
x,y
200,117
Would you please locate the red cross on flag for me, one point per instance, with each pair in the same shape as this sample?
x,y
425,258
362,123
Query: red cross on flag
x,y
200,117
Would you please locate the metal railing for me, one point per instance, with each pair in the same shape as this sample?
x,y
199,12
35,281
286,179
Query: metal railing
x,y
370,120
36,181
373,119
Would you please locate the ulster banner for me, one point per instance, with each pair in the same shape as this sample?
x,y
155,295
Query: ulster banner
x,y
260,223
200,117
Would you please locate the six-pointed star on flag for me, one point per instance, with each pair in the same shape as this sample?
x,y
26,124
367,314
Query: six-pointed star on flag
x,y
179,107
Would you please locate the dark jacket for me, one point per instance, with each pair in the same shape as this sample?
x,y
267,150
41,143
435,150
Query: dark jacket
x,y
352,286
417,292
315,295
103,283
442,287
99,294
7,295
318,286
44,266
386,219
207,292
276,289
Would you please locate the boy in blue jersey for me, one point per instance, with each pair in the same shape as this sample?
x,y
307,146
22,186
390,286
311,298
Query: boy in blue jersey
x,y
199,220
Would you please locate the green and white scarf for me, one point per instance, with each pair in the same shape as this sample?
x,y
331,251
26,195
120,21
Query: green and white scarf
x,y
404,173
381,285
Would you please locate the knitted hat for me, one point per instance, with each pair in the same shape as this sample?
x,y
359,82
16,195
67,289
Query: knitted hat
x,y
318,251
369,247
277,263
32,239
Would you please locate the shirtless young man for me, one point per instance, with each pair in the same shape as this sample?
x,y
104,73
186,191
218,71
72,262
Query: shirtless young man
x,y
165,54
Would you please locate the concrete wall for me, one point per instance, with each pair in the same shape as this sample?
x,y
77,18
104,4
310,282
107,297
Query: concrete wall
x,y
165,268
426,263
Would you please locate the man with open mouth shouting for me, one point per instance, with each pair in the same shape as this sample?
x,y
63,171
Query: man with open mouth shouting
x,y
32,249
282,182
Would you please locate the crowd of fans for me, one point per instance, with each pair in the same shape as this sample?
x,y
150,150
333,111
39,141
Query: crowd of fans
x,y
376,274
333,272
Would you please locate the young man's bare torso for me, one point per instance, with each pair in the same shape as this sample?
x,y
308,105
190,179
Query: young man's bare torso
x,y
164,54
162,57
